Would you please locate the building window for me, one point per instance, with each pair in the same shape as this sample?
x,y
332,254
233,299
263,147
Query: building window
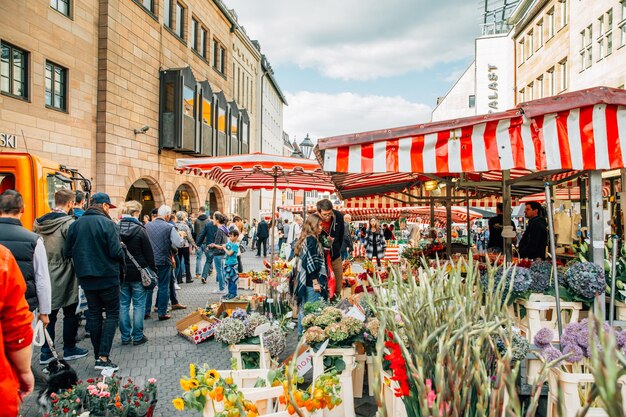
x,y
14,71
530,39
563,74
551,81
193,35
530,94
56,86
550,23
167,13
563,13
61,6
521,96
540,34
180,21
586,43
147,4
472,101
609,32
219,57
540,87
522,51
203,38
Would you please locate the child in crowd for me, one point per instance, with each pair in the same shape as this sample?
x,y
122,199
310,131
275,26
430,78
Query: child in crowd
x,y
230,264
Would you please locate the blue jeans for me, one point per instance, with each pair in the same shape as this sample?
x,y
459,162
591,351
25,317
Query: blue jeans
x,y
232,278
208,263
101,330
163,294
311,297
219,270
132,291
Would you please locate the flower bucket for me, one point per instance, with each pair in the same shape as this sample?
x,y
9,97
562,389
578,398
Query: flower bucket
x,y
237,350
346,409
539,311
567,383
264,399
370,375
358,376
620,311
394,405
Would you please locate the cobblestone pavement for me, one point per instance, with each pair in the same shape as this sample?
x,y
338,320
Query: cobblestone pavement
x,y
166,356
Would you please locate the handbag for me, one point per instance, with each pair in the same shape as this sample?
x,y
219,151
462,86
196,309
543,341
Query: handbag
x,y
148,276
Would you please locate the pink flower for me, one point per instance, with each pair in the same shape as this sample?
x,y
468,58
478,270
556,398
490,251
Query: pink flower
x,y
152,380
77,400
430,394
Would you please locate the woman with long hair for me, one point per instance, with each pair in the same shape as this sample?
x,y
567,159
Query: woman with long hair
x,y
375,243
310,273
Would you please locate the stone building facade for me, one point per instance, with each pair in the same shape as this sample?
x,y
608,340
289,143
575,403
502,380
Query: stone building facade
x,y
95,95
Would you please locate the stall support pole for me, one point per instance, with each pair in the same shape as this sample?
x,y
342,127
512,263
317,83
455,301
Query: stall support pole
x,y
622,206
303,207
613,265
432,213
555,273
448,221
273,224
596,223
469,229
506,213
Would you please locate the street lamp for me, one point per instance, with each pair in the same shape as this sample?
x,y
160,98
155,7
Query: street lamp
x,y
306,146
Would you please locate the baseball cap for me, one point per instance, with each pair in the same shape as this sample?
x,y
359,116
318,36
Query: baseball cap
x,y
102,198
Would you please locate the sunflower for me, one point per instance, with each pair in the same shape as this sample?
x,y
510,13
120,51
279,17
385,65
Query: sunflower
x,y
185,384
179,404
192,370
211,377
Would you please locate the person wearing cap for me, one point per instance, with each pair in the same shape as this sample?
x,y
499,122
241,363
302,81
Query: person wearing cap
x,y
93,243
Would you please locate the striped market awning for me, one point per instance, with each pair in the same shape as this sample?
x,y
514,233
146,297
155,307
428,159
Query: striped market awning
x,y
582,130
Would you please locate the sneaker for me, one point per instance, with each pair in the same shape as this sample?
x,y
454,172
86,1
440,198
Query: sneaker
x,y
100,364
176,286
126,342
45,358
141,341
69,354
218,291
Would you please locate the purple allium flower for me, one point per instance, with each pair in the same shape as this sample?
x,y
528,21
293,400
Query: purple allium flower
x,y
621,339
551,353
543,338
576,351
582,337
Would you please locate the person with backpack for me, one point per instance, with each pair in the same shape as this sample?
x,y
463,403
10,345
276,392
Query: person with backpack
x,y
198,227
137,245
221,238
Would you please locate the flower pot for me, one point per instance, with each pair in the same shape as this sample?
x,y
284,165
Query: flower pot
x,y
539,311
346,409
567,383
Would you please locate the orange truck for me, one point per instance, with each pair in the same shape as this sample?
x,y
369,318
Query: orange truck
x,y
37,179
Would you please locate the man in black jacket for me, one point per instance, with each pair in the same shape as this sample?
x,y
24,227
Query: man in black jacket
x,y
535,239
198,227
332,237
262,233
203,239
93,243
496,226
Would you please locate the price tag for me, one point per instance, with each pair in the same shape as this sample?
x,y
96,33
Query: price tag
x,y
270,301
304,363
356,312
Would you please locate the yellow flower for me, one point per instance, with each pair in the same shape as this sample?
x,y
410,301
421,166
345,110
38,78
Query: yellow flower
x,y
179,404
192,370
185,384
229,380
211,377
194,383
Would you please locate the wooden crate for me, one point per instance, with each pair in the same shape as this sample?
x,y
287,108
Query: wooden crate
x,y
206,327
230,306
237,350
346,409
394,405
539,311
358,376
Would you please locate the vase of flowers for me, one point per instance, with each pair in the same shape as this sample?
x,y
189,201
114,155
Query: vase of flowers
x,y
106,397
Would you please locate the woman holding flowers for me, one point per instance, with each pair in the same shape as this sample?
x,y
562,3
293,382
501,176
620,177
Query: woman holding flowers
x,y
375,243
310,271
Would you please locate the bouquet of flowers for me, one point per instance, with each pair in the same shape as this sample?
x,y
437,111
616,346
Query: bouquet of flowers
x,y
331,324
109,397
585,279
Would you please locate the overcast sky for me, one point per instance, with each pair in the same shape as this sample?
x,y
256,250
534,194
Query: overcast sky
x,y
348,66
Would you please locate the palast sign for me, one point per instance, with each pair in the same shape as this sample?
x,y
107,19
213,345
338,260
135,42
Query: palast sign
x,y
8,141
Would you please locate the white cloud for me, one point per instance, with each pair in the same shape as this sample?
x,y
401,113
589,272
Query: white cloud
x,y
322,115
361,39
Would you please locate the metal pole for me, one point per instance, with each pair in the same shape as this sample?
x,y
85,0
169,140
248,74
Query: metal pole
x,y
273,223
469,230
448,221
506,214
432,212
304,207
613,265
555,273
596,223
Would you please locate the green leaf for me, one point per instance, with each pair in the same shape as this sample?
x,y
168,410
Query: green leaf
x,y
340,365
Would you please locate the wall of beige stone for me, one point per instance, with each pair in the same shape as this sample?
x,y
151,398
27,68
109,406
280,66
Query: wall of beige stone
x,y
65,137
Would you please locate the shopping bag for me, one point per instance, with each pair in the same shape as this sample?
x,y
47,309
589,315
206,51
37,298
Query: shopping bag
x,y
82,301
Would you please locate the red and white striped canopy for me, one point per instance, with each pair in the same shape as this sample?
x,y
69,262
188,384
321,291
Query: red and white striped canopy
x,y
565,194
260,171
583,130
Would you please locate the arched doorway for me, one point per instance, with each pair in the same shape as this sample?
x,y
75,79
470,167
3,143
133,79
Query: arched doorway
x,y
143,191
214,200
185,199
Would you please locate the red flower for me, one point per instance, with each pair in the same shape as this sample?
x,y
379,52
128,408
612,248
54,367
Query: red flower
x,y
140,395
66,410
398,367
